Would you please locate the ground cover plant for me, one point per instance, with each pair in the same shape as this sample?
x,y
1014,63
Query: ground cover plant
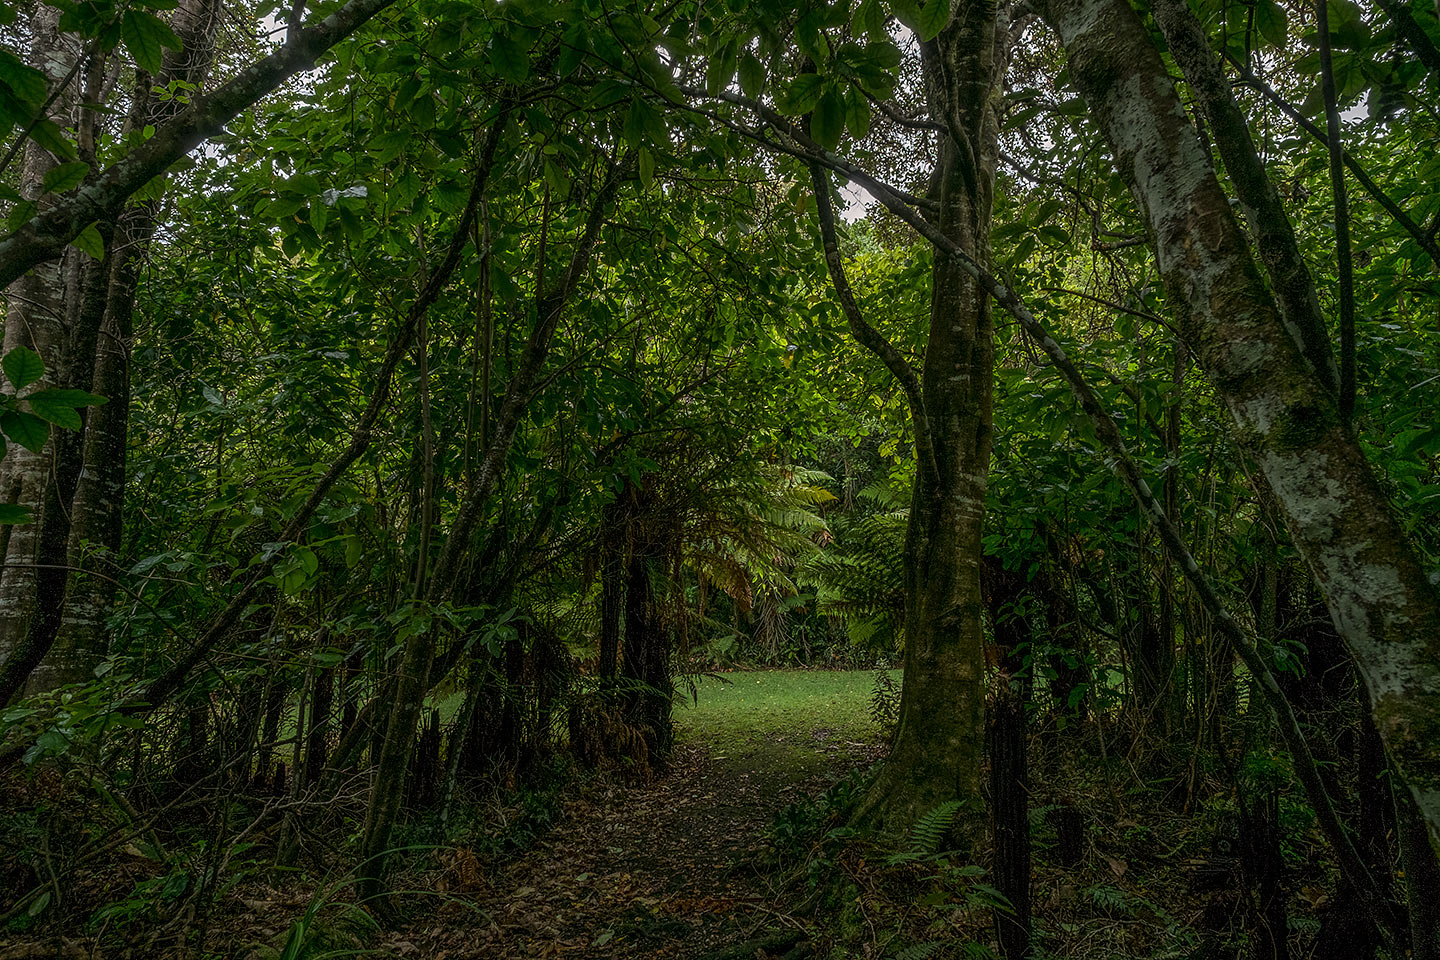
x,y
857,478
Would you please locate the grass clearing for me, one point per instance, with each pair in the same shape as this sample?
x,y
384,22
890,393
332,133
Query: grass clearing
x,y
799,718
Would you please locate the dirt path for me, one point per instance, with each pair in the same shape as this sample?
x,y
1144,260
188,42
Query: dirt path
x,y
646,871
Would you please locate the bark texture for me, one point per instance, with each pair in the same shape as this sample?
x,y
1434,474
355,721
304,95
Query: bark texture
x,y
36,317
938,745
97,508
1287,422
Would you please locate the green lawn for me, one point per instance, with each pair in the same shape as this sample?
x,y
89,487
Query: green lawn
x,y
796,717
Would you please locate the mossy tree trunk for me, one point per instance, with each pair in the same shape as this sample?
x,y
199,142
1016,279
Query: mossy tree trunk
x,y
1288,420
938,744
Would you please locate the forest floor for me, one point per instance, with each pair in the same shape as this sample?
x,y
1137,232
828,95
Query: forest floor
x,y
665,868
662,867
731,845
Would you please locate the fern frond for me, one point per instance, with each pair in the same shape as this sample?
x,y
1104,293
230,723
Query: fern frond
x,y
929,833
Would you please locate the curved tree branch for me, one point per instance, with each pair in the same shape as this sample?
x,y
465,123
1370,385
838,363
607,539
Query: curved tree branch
x,y
45,236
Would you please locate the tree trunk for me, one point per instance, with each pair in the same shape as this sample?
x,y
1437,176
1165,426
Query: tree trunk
x,y
937,751
411,681
612,589
1288,422
647,660
36,317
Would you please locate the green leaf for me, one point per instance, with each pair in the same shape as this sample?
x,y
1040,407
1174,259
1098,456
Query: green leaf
x,y
722,68
803,95
871,19
827,123
752,75
387,146
48,134
1347,24
56,413
509,58
573,47
307,560
15,513
25,429
89,241
23,367
24,81
58,406
1272,22
556,177
647,167
857,114
644,123
907,12
933,18
64,177
146,36
635,123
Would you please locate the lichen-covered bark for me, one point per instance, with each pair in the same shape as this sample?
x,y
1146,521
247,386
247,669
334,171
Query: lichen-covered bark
x,y
1269,225
937,751
36,318
96,512
1287,422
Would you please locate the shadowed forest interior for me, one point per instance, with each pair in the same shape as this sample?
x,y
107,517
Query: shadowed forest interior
x,y
720,480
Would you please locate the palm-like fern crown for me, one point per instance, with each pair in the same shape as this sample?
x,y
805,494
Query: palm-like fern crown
x,y
859,577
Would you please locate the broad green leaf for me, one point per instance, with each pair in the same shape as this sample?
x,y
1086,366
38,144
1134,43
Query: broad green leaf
x,y
573,48
47,405
15,513
387,146
556,177
24,81
803,95
89,241
48,134
647,167
146,36
635,123
907,12
66,397
1347,24
23,367
64,177
20,214
827,123
871,19
933,18
857,114
509,58
25,429
307,560
752,75
283,207
721,69
1272,22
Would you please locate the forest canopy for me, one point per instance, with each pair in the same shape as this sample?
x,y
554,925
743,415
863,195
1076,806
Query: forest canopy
x,y
409,399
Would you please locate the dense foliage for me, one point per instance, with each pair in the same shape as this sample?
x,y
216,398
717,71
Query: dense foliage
x,y
405,401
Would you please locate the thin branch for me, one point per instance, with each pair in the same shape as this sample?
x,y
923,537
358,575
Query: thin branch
x,y
1426,241
867,336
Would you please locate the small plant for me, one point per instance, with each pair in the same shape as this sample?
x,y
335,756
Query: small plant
x,y
885,702
928,836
